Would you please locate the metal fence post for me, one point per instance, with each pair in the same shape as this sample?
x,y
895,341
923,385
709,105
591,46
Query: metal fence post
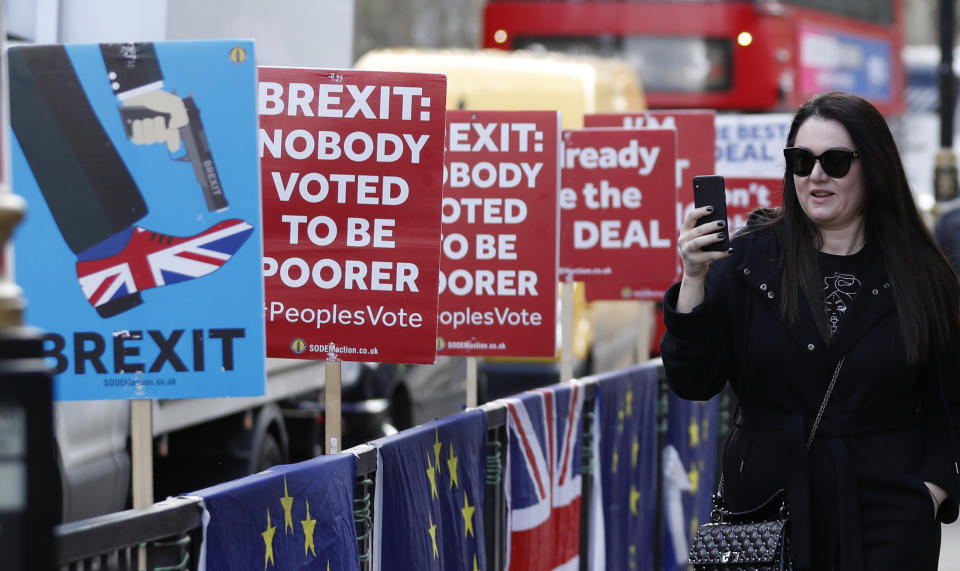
x,y
495,501
587,474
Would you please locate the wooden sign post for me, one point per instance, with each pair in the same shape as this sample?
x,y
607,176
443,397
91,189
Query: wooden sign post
x,y
141,452
567,330
332,425
472,397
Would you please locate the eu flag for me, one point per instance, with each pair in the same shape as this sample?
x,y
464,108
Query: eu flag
x,y
690,465
429,496
628,465
296,516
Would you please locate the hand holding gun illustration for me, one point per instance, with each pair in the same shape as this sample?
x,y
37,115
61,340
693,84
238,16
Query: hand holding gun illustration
x,y
154,117
159,116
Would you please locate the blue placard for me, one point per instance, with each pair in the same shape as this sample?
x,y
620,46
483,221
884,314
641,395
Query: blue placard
x,y
140,253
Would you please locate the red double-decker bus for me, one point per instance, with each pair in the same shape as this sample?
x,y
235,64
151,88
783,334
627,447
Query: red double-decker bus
x,y
745,55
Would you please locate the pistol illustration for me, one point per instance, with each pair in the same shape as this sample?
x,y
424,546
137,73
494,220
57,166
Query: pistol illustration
x,y
197,149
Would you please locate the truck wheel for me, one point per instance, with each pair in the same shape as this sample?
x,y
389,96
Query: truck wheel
x,y
268,454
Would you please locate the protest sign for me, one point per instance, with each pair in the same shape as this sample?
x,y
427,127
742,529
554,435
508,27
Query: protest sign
x,y
144,270
498,278
695,157
617,203
751,145
352,166
746,194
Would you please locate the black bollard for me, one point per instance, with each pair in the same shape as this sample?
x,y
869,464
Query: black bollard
x,y
29,486
945,168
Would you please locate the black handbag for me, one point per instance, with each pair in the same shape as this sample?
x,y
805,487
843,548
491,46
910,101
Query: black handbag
x,y
752,540
757,539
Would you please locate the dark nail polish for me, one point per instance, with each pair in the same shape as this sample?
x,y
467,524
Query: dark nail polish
x,y
730,251
721,223
709,209
720,235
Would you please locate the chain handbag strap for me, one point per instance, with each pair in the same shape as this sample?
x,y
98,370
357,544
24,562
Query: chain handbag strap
x,y
823,405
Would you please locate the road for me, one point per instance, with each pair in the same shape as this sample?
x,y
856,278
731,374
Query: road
x,y
950,547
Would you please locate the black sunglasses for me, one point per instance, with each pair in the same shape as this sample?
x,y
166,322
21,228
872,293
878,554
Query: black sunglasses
x,y
835,162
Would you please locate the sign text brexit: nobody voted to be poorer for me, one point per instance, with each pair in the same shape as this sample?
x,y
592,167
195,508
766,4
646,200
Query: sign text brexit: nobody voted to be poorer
x,y
346,156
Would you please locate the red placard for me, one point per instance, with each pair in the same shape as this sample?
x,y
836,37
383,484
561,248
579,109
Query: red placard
x,y
351,177
696,135
617,205
498,278
746,194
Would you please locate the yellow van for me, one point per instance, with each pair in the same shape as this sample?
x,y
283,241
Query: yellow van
x,y
519,80
607,335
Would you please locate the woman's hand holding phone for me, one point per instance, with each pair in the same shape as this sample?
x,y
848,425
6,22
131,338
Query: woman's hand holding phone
x,y
691,242
693,239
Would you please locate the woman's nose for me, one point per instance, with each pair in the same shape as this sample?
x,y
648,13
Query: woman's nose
x,y
818,173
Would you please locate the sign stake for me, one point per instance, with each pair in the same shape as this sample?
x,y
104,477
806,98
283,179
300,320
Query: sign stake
x,y
566,326
332,425
141,445
645,332
472,400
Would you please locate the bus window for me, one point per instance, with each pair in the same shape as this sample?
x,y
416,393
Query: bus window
x,y
667,63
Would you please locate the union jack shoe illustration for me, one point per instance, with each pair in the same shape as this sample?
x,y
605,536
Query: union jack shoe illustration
x,y
112,283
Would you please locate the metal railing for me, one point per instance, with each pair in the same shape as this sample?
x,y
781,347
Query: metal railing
x,y
170,532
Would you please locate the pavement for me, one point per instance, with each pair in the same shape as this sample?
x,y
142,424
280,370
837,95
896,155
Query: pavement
x,y
950,547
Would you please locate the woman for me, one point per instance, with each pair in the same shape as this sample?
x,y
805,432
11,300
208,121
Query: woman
x,y
845,269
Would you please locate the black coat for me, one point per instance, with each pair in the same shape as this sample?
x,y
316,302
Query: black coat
x,y
857,497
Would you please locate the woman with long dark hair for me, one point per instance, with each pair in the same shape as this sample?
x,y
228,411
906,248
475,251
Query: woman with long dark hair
x,y
843,280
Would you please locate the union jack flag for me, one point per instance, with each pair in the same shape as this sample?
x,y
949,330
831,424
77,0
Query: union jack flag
x,y
151,259
543,484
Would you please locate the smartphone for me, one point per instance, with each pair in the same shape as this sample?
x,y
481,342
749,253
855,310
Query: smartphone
x,y
711,191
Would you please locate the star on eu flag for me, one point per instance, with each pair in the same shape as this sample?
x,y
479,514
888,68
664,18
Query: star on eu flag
x,y
308,527
437,447
268,541
432,530
287,502
694,476
467,512
432,476
694,430
634,499
635,451
452,464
